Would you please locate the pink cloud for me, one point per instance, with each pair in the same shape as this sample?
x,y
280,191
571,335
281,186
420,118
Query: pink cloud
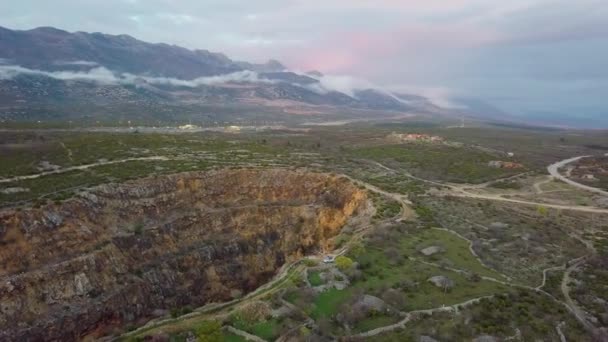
x,y
408,5
346,51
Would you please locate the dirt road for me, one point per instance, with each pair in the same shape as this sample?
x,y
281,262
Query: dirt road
x,y
79,167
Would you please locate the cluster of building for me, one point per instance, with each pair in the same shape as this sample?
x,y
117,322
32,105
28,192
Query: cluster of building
x,y
504,165
414,137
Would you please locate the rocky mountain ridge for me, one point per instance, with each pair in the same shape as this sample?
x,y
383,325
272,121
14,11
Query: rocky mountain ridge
x,y
51,74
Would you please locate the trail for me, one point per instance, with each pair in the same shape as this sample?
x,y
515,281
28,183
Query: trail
x,y
406,210
80,167
537,185
247,336
580,315
409,316
544,282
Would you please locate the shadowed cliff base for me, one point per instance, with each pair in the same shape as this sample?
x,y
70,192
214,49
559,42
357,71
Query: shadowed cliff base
x,y
122,253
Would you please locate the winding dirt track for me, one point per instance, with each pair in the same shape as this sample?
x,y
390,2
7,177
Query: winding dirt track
x,y
79,167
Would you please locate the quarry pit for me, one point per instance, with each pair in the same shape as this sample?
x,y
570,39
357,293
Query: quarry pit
x,y
119,254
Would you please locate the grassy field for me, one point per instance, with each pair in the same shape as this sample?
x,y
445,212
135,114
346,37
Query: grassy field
x,y
534,315
455,251
328,303
437,162
229,337
374,322
518,241
411,278
314,278
268,330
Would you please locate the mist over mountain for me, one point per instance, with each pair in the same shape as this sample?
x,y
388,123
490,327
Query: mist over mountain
x,y
51,74
48,48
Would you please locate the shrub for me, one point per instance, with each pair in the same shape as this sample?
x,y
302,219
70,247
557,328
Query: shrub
x,y
344,263
138,228
209,331
310,262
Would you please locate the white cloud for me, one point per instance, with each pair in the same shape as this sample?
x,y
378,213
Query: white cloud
x,y
83,63
439,96
100,74
105,76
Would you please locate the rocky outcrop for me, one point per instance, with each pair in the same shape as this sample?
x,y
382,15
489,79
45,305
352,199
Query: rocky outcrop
x,y
121,252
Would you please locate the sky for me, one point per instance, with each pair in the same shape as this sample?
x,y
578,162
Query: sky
x,y
544,59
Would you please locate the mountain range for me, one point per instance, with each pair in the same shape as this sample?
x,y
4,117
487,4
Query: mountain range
x,y
53,75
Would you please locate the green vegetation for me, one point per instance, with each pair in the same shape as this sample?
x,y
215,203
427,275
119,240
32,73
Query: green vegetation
x,y
229,337
314,278
268,329
507,185
210,331
344,263
518,242
327,303
395,183
437,162
454,252
385,207
533,314
411,279
376,321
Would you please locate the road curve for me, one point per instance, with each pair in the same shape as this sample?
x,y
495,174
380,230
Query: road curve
x,y
554,171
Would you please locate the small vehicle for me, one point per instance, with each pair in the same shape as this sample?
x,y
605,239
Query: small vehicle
x,y
329,259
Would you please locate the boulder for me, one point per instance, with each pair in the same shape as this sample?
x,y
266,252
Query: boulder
x,y
431,250
442,282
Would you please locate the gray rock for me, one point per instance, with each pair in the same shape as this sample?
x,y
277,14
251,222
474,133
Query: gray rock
x,y
499,225
442,282
427,339
14,190
431,250
372,303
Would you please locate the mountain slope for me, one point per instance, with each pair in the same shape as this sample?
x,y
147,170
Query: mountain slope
x,y
51,74
48,48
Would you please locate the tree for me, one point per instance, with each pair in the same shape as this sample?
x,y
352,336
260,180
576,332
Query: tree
x,y
209,331
344,263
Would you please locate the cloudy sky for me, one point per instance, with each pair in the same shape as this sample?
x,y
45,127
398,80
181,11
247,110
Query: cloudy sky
x,y
540,58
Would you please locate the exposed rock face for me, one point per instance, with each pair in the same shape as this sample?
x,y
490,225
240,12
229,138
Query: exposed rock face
x,y
121,252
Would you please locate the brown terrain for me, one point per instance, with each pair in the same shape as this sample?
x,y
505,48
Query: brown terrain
x,y
120,254
591,171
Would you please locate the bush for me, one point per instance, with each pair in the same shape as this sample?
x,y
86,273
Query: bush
x,y
311,262
209,331
138,228
176,312
344,263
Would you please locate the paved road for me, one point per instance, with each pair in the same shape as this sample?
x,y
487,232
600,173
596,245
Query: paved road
x,y
554,171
